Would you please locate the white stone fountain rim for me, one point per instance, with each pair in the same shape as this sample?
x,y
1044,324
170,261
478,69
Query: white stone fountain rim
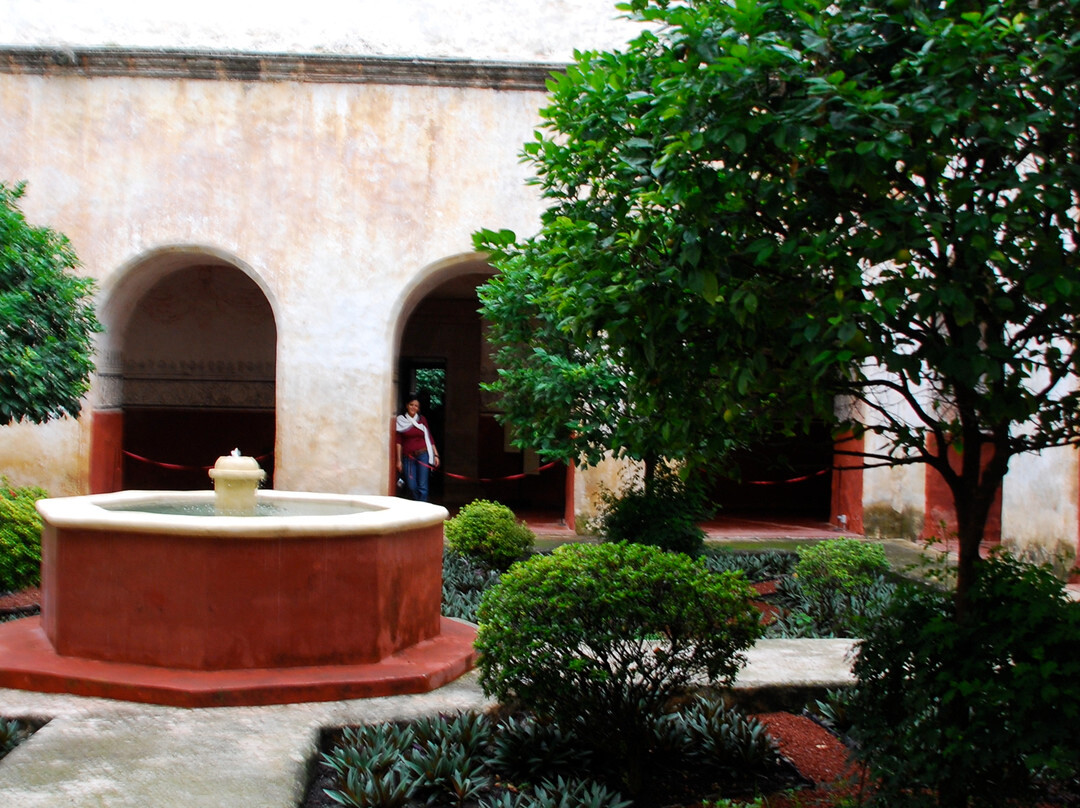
x,y
378,515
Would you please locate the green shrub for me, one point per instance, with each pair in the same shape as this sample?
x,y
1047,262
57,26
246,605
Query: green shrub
x,y
971,710
847,566
489,532
665,513
606,635
20,537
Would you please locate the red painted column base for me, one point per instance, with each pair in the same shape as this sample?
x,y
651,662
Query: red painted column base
x,y
847,485
106,451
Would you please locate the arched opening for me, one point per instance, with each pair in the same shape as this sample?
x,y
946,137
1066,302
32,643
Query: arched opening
x,y
190,373
443,346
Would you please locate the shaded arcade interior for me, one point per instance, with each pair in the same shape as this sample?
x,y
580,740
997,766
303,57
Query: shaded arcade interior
x,y
190,375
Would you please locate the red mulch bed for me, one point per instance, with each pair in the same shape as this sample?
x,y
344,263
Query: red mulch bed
x,y
818,755
21,600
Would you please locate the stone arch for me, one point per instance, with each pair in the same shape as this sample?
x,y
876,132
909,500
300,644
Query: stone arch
x,y
187,370
438,326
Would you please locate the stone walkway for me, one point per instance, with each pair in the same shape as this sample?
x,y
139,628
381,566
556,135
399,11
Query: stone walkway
x,y
98,752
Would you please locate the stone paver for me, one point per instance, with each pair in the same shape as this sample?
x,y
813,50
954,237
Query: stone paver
x,y
97,752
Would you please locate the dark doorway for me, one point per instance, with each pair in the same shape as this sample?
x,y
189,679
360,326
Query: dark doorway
x,y
173,449
782,477
198,377
444,334
516,477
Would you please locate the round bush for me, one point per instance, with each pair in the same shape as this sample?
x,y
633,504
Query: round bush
x,y
20,537
489,533
605,636
847,566
665,514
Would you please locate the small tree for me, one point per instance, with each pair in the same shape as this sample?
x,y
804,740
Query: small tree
x,y
489,532
46,320
664,512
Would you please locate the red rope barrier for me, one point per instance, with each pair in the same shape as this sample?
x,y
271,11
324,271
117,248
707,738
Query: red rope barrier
x,y
792,480
545,467
175,467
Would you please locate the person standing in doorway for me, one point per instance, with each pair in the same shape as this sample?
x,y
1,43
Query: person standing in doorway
x,y
416,453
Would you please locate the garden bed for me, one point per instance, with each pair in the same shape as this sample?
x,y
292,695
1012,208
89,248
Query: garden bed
x,y
816,773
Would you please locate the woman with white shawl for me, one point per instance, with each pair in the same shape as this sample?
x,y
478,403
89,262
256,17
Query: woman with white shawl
x,y
416,453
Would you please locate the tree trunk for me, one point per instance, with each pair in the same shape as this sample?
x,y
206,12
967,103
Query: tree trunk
x,y
651,464
974,490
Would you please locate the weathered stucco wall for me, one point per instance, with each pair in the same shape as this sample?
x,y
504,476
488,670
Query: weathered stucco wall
x,y
334,197
340,199
503,30
1039,518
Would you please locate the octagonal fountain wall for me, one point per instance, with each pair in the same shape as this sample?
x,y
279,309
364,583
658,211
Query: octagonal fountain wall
x,y
318,597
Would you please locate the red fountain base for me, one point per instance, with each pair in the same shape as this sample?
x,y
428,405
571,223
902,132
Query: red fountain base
x,y
198,611
29,662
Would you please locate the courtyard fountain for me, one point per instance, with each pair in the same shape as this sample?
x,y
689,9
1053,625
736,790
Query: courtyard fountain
x,y
237,596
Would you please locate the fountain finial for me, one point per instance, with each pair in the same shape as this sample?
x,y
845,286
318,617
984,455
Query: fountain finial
x,y
235,479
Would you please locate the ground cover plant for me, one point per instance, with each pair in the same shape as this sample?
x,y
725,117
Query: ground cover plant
x,y
516,760
14,732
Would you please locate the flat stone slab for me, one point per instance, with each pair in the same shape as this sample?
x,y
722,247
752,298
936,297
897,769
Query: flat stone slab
x,y
121,754
803,663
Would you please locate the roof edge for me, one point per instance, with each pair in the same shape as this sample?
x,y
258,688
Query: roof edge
x,y
225,65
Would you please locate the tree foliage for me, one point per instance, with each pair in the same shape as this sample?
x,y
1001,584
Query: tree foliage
x,y
763,212
974,712
46,320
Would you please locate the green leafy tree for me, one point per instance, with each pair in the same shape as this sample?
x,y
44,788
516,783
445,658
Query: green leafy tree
x,y
763,212
46,320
